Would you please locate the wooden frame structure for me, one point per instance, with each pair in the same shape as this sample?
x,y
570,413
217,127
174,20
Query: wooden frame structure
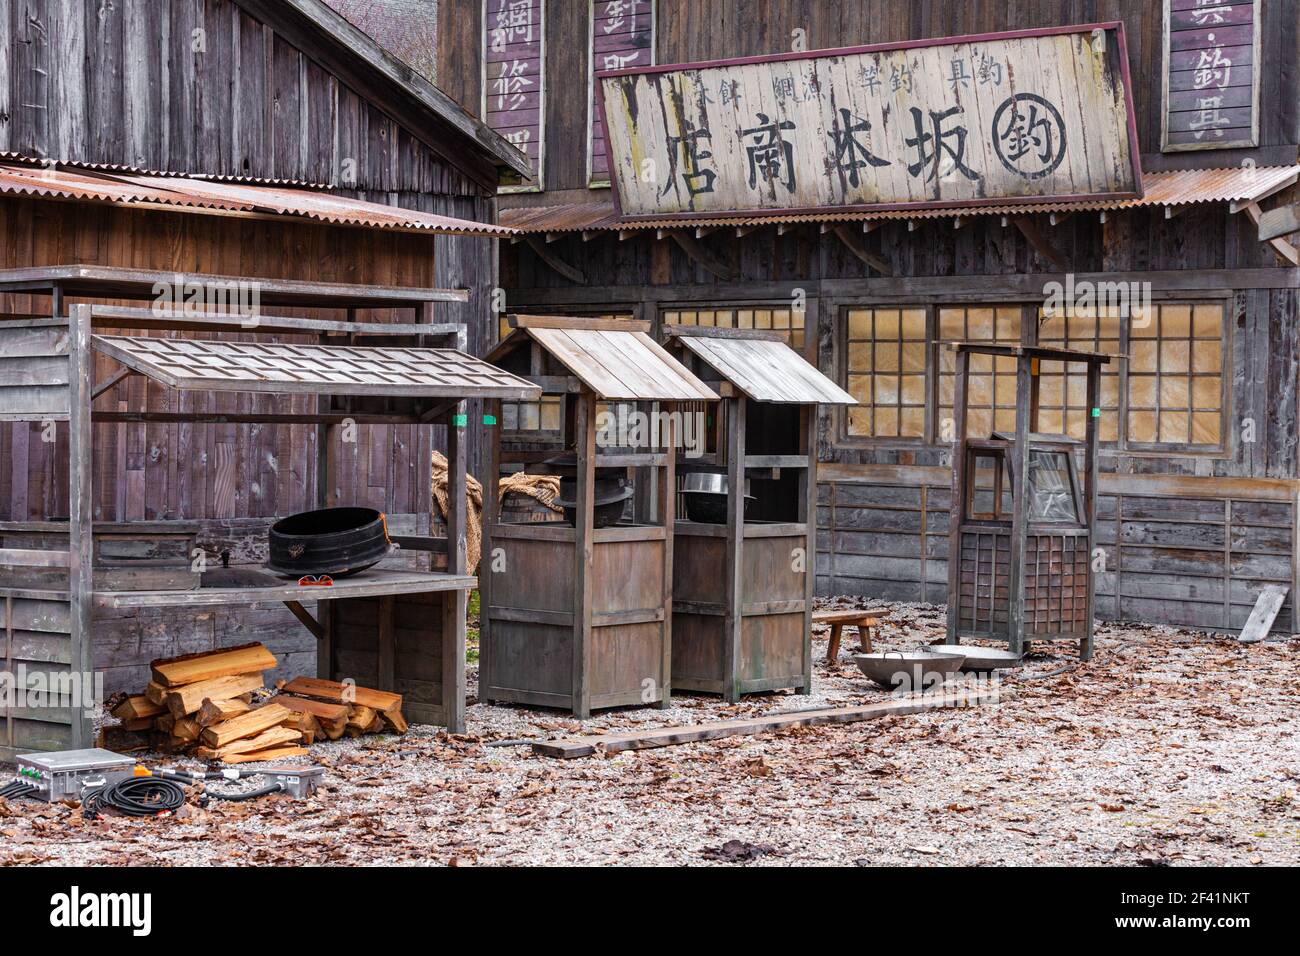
x,y
749,630
394,627
576,616
1025,573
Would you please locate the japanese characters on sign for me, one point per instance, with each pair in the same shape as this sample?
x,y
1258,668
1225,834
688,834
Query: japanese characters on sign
x,y
1211,76
622,37
514,69
1032,114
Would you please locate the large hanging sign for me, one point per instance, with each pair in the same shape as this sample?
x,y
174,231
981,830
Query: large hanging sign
x,y
514,82
998,118
1211,78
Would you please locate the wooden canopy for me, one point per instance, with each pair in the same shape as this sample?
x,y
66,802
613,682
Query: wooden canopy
x,y
762,366
616,363
313,369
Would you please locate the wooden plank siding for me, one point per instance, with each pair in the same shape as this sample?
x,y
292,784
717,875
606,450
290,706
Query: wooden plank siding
x,y
202,86
883,530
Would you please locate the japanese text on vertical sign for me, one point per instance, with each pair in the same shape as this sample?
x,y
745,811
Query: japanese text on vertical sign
x,y
622,37
514,51
1212,79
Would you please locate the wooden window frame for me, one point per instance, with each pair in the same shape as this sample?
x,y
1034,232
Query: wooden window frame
x,y
1030,310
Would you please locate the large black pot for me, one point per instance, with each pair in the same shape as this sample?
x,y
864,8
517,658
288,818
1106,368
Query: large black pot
x,y
609,495
333,541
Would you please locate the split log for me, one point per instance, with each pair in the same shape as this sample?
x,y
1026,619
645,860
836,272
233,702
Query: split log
x,y
136,708
331,719
273,754
338,693
245,725
186,729
164,723
360,717
395,721
215,711
227,662
273,737
136,724
190,697
156,694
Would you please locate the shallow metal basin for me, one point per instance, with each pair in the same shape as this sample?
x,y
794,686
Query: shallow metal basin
x,y
908,670
976,659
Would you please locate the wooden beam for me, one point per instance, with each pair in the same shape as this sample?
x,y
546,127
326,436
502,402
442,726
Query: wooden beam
x,y
1056,218
871,225
1044,248
309,622
555,263
1284,250
702,256
743,231
715,730
1281,221
852,242
111,381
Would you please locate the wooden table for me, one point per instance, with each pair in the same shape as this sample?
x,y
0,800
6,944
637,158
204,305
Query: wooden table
x,y
862,620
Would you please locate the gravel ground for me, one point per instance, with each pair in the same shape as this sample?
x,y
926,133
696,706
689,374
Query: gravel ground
x,y
1169,747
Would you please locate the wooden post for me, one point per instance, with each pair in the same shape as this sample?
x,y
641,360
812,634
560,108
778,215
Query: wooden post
x,y
808,515
486,565
1090,499
325,473
733,620
81,512
454,602
584,446
667,501
1019,514
957,507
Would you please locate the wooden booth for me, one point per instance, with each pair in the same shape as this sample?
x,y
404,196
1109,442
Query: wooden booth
x,y
1023,517
578,613
398,626
743,569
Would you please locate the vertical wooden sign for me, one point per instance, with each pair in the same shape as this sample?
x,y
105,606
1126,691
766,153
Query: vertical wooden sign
x,y
514,82
1211,76
621,36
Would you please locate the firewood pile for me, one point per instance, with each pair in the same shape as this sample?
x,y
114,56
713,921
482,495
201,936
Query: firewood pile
x,y
216,706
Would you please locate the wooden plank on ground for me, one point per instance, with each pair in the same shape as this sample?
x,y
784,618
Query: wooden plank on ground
x,y
670,736
1265,613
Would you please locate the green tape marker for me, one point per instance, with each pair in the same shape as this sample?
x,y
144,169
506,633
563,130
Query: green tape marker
x,y
460,421
1096,413
489,419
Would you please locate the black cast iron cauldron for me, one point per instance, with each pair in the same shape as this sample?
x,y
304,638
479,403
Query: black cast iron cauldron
x,y
608,497
333,541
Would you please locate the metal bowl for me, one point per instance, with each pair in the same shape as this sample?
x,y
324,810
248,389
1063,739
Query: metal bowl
x,y
908,670
976,659
709,481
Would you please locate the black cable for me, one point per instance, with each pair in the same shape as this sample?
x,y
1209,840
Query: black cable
x,y
245,795
135,797
19,788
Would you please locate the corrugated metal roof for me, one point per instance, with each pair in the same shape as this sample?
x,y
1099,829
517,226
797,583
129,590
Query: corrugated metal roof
x,y
1174,188
313,369
22,159
766,369
617,365
134,189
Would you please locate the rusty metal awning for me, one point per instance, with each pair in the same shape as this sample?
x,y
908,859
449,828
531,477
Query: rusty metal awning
x,y
1172,189
200,195
765,368
313,369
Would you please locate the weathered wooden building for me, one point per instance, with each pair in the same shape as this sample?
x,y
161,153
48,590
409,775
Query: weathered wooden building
x,y
1199,503
209,138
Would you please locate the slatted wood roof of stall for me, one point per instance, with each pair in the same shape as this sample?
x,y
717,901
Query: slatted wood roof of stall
x,y
618,364
762,366
313,369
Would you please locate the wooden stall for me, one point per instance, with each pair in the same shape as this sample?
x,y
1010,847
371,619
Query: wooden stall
x,y
399,626
748,629
1023,519
574,615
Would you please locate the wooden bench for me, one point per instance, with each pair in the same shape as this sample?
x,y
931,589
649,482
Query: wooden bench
x,y
862,620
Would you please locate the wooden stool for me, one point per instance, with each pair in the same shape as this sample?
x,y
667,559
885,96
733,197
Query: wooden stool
x,y
862,620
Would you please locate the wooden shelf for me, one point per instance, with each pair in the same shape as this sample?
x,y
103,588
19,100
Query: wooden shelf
x,y
373,583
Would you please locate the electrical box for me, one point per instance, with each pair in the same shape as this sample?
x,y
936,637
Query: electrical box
x,y
65,774
298,782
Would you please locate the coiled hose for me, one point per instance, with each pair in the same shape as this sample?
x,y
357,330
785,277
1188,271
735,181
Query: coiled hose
x,y
135,797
